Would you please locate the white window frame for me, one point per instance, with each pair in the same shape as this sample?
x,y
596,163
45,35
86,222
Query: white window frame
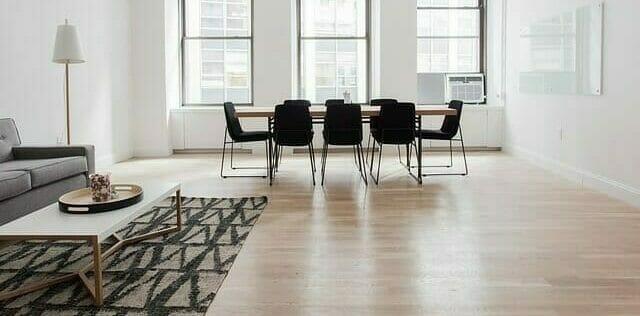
x,y
366,38
183,44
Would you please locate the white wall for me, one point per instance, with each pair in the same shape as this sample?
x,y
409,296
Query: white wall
x,y
397,50
591,139
31,86
393,74
151,72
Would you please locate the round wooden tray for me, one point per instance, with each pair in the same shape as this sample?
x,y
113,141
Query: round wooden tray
x,y
80,202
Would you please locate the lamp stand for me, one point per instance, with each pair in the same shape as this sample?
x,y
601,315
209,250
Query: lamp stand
x,y
66,101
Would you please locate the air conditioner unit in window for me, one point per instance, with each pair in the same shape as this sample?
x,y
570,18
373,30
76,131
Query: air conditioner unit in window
x,y
468,88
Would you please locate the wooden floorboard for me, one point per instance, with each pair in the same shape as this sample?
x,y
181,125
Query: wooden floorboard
x,y
509,239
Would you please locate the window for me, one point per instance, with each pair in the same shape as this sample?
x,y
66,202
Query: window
x,y
216,52
450,36
333,47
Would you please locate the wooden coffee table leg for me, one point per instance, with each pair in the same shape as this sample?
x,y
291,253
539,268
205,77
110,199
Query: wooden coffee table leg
x,y
97,270
95,288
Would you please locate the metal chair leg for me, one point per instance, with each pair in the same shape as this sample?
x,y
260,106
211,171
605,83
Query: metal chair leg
x,y
376,178
232,168
368,147
313,174
323,161
313,157
362,163
464,154
373,151
450,154
224,149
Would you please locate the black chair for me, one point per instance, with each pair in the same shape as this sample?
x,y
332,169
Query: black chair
x,y
298,102
293,127
343,127
334,102
235,132
396,126
374,121
450,128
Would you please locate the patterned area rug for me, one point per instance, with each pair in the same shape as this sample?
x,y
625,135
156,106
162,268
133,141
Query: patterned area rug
x,y
179,273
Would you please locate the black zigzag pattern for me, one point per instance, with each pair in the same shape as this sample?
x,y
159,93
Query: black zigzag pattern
x,y
176,273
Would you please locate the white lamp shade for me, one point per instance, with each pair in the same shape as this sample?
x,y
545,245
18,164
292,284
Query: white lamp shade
x,y
68,49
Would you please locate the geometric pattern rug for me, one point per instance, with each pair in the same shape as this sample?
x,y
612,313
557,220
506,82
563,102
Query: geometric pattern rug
x,y
179,273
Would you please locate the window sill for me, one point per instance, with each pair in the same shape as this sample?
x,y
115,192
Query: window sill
x,y
204,108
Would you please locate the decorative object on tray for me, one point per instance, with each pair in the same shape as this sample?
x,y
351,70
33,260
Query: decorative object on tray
x,y
82,201
100,185
347,96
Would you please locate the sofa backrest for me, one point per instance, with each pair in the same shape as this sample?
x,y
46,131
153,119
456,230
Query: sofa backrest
x,y
9,138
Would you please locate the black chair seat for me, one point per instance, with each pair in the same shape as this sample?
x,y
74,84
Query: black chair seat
x,y
243,137
345,137
293,138
434,134
393,137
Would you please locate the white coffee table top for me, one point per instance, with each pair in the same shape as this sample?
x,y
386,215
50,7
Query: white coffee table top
x,y
50,221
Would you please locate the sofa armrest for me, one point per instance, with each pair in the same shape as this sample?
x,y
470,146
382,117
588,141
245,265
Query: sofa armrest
x,y
47,152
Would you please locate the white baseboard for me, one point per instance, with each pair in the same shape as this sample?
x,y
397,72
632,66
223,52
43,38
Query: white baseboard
x,y
583,178
152,152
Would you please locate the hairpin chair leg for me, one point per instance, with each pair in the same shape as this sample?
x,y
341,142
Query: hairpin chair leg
x,y
362,163
323,160
356,157
368,147
373,151
376,178
450,154
414,145
464,153
464,156
313,173
224,150
313,156
232,168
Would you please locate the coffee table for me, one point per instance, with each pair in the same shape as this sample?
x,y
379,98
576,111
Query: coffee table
x,y
49,223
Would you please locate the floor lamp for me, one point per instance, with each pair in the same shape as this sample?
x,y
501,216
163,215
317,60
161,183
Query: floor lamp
x,y
67,51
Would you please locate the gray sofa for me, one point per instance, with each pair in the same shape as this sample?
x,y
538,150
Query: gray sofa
x,y
33,177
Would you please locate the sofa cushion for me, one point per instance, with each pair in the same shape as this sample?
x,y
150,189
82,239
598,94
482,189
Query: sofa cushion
x,y
14,183
45,171
8,138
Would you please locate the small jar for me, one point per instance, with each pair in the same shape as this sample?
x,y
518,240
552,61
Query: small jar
x,y
100,185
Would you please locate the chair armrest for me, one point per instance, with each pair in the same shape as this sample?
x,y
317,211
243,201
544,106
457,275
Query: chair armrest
x,y
47,152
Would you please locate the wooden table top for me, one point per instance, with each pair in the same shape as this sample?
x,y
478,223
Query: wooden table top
x,y
320,110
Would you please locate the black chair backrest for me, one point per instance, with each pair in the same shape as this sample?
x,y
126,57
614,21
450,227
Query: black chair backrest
x,y
451,123
293,125
297,102
380,102
343,124
397,123
233,123
334,102
375,121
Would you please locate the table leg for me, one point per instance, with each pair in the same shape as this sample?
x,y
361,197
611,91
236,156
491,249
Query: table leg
x,y
97,271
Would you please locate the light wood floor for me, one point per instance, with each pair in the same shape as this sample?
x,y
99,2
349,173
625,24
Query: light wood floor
x,y
510,239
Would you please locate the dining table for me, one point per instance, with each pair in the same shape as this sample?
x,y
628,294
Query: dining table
x,y
318,112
